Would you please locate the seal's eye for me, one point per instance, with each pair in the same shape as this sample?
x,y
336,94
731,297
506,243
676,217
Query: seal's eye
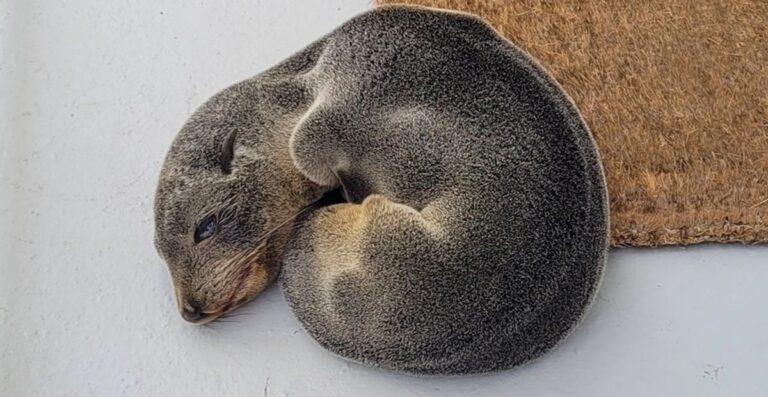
x,y
205,229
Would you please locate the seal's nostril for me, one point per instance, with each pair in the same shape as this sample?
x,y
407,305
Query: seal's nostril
x,y
192,315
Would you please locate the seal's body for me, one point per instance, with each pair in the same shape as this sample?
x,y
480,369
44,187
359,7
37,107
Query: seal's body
x,y
475,228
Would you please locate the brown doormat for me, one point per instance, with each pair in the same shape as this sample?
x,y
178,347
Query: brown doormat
x,y
676,94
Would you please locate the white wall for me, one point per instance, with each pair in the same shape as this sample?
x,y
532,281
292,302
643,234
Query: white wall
x,y
91,95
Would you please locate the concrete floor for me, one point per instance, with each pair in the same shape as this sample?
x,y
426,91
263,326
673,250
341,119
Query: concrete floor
x,y
91,95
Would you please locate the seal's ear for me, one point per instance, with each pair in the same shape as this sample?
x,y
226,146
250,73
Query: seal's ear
x,y
227,152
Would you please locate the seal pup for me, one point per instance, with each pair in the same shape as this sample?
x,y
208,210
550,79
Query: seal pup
x,y
473,230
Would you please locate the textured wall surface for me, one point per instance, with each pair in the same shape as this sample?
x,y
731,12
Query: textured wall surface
x,y
91,94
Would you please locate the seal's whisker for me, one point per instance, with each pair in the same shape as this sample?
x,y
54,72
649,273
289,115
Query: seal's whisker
x,y
229,315
281,224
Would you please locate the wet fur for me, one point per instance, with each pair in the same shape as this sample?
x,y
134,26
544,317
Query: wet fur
x,y
475,234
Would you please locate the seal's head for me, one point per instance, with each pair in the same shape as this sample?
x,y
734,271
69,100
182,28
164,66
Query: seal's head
x,y
224,206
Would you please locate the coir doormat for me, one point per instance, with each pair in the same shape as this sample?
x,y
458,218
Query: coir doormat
x,y
676,94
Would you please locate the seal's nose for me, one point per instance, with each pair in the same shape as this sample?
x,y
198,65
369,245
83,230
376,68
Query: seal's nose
x,y
192,313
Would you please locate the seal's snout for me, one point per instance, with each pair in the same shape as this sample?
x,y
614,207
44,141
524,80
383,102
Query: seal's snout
x,y
196,316
193,314
226,286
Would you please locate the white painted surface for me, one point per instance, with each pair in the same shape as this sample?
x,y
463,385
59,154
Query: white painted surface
x,y
91,96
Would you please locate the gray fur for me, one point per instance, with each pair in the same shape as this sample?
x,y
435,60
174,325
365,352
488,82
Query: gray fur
x,y
476,230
